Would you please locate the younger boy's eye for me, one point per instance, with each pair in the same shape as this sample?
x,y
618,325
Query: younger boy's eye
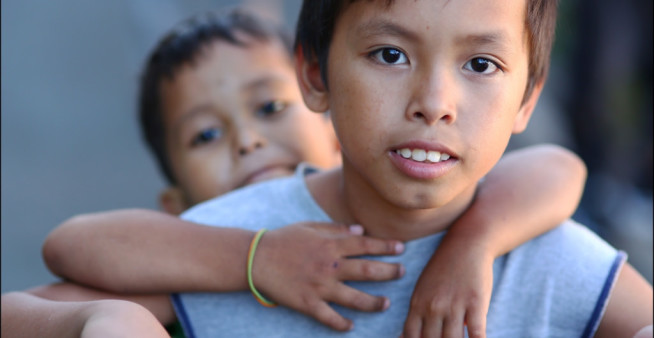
x,y
389,55
270,108
206,136
481,65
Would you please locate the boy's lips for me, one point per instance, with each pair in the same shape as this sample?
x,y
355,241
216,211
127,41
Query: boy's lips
x,y
423,160
267,173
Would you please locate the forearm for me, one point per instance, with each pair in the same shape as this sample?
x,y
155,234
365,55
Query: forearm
x,y
158,304
529,192
25,315
129,251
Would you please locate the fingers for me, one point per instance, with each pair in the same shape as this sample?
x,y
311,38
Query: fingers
x,y
476,323
433,328
453,325
324,313
361,245
358,300
337,228
368,270
450,327
440,319
412,326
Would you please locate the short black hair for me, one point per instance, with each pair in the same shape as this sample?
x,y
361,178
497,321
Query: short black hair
x,y
315,28
181,46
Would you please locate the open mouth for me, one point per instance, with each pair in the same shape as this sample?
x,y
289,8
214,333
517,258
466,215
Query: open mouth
x,y
268,173
422,155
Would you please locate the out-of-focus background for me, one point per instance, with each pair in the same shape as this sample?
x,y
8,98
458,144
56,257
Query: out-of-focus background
x,y
71,143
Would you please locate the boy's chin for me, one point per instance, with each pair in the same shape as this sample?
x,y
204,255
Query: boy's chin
x,y
266,174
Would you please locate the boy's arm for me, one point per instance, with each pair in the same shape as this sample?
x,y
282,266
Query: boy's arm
x,y
528,192
26,315
147,251
138,250
158,304
630,306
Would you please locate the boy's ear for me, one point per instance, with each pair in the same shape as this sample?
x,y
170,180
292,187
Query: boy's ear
x,y
524,114
312,87
172,201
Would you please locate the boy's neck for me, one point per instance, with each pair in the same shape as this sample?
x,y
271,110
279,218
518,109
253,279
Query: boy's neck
x,y
349,204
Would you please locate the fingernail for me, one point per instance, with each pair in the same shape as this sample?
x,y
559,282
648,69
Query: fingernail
x,y
399,247
401,271
356,229
387,303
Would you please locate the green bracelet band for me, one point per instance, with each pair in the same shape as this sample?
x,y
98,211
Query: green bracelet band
x,y
253,248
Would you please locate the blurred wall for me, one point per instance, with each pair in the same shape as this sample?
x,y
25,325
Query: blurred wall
x,y
70,139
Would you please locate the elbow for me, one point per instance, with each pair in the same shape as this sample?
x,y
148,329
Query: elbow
x,y
58,243
567,163
568,169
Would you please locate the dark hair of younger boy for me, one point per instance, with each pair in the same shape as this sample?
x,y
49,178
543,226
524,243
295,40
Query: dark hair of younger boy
x,y
181,46
315,27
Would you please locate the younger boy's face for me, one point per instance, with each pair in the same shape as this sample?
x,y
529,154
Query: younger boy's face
x,y
419,79
236,117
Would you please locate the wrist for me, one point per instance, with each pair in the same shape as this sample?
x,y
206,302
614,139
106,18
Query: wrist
x,y
250,273
471,234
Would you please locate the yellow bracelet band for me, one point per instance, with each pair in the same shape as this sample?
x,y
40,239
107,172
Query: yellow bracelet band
x,y
253,248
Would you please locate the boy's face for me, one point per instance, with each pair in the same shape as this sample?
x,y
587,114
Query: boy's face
x,y
236,117
423,78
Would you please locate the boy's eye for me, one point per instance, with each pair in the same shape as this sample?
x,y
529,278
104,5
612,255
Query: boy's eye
x,y
481,65
206,136
388,55
270,108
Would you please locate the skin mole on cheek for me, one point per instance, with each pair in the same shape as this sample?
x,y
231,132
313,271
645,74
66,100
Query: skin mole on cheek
x,y
335,265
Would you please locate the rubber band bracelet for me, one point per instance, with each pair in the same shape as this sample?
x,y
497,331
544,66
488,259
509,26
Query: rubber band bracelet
x,y
253,248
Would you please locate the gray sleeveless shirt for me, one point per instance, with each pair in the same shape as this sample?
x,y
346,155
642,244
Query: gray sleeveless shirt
x,y
556,285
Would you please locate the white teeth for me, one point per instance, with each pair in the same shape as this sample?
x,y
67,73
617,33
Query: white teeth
x,y
420,155
433,156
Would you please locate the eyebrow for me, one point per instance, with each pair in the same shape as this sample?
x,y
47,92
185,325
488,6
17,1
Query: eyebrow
x,y
179,123
264,81
273,80
380,27
497,40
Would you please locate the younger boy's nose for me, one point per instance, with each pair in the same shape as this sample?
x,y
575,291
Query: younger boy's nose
x,y
249,141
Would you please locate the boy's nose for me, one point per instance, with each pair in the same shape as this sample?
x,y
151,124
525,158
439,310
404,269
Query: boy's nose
x,y
249,141
434,100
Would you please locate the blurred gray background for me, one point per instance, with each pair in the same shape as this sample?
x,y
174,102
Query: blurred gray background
x,y
71,143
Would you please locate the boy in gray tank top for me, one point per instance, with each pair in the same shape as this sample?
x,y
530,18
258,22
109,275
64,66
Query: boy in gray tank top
x,y
406,84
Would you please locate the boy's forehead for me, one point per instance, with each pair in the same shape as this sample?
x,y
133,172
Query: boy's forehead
x,y
481,21
227,73
225,62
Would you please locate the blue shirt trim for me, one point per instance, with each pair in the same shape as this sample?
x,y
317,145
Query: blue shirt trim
x,y
602,301
182,316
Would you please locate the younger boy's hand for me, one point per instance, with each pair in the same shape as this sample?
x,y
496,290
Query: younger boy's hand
x,y
303,267
453,291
